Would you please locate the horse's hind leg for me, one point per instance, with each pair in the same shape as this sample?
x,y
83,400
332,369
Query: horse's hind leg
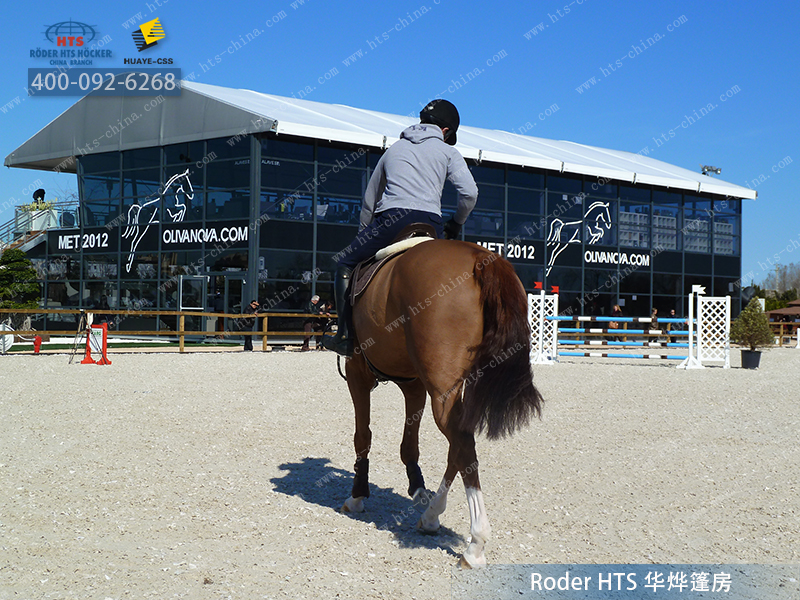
x,y
360,382
415,396
461,459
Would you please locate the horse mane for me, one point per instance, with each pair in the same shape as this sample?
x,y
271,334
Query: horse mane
x,y
499,395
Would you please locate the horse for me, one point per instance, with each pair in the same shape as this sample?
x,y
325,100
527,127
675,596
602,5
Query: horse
x,y
446,319
595,222
150,209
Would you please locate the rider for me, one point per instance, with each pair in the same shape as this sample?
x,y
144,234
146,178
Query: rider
x,y
406,188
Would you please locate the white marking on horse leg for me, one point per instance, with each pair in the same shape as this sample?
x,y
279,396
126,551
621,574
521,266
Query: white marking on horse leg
x,y
354,505
480,531
429,521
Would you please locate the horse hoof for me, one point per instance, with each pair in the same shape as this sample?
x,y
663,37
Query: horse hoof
x,y
353,505
464,562
473,563
428,528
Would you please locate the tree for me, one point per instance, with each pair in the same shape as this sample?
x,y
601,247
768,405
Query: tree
x,y
751,328
18,285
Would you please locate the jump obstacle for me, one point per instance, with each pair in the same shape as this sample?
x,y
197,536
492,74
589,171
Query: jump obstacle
x,y
712,333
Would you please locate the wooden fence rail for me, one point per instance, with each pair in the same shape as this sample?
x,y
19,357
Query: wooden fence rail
x,y
180,333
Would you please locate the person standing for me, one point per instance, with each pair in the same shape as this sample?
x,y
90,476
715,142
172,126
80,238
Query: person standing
x,y
616,312
311,324
406,187
249,323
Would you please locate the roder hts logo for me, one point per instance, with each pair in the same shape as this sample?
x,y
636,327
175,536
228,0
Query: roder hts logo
x,y
148,34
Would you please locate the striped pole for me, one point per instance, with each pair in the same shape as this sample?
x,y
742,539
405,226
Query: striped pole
x,y
622,355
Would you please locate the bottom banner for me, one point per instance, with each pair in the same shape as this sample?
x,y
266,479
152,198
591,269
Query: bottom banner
x,y
628,582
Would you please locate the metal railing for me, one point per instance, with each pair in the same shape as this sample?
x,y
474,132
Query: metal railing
x,y
61,215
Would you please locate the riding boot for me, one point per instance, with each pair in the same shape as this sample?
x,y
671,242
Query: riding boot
x,y
341,343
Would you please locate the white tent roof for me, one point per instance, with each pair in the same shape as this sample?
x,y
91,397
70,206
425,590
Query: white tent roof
x,y
205,111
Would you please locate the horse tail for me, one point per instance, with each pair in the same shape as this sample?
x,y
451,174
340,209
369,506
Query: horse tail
x,y
499,395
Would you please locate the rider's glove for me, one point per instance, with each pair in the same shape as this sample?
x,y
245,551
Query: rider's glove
x,y
451,230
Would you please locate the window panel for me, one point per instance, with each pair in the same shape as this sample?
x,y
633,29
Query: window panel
x,y
228,174
99,213
484,174
141,158
189,152
338,210
564,184
341,156
228,204
221,149
484,222
348,182
287,175
525,227
98,187
525,179
284,149
524,201
100,163
146,182
634,225
491,197
101,266
286,206
279,264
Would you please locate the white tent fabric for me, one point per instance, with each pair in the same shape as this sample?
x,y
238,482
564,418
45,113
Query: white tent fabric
x,y
103,124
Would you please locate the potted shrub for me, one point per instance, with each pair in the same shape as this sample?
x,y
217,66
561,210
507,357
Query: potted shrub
x,y
751,329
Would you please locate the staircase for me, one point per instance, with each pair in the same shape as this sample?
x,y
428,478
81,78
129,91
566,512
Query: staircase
x,y
28,228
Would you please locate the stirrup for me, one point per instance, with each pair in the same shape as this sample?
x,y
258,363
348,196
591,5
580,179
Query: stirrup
x,y
338,344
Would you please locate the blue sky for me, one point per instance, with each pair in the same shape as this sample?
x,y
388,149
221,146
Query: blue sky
x,y
541,53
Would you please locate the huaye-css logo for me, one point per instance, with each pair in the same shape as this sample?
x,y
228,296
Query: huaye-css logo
x,y
70,33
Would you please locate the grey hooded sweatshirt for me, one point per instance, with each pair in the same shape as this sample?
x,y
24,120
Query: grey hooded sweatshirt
x,y
412,172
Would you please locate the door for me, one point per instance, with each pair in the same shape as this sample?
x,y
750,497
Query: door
x,y
225,296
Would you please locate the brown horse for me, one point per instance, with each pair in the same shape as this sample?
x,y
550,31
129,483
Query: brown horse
x,y
447,319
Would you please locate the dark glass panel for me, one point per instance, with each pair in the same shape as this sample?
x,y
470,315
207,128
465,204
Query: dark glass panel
x,y
486,174
333,238
100,163
188,152
483,223
286,206
287,175
635,193
565,278
222,148
525,227
491,197
290,235
524,201
97,187
100,266
274,148
142,158
338,210
341,155
564,184
228,174
142,183
526,179
286,265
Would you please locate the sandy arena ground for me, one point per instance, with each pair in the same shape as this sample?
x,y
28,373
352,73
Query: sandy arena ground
x,y
211,476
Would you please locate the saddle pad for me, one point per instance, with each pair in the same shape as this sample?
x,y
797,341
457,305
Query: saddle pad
x,y
400,246
366,270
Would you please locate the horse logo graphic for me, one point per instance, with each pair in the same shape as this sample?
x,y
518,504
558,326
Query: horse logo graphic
x,y
135,230
596,222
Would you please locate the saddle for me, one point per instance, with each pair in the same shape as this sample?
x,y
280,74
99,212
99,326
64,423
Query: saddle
x,y
410,236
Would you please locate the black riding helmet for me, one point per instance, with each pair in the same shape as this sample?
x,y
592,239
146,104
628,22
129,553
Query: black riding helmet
x,y
442,114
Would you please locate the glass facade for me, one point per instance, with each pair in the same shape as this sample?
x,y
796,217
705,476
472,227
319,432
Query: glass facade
x,y
202,210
